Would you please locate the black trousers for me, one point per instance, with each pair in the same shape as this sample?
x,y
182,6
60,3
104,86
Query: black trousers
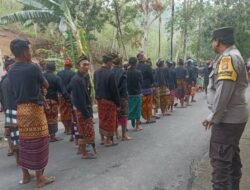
x,y
225,154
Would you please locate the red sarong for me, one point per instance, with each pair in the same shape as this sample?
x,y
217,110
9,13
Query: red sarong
x,y
86,129
107,113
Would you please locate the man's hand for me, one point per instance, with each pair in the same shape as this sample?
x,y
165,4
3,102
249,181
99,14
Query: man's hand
x,y
207,124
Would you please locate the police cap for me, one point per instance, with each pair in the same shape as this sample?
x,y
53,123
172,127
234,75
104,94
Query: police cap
x,y
225,35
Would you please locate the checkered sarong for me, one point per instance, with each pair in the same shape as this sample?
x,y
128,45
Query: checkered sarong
x,y
14,136
10,118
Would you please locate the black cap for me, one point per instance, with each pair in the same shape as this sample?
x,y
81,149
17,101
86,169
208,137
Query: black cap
x,y
225,34
51,66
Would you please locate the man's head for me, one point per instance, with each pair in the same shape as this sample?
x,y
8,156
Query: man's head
x,y
107,60
222,39
68,63
20,49
117,60
8,62
141,56
189,62
83,64
132,61
180,62
160,63
51,66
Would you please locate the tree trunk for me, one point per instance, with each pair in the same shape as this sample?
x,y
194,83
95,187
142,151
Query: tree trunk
x,y
119,28
185,34
90,50
199,32
159,48
145,26
172,31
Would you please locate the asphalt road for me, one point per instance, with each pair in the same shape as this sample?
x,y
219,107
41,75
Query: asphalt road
x,y
161,157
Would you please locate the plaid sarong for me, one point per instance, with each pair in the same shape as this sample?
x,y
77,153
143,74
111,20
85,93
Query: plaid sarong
x,y
14,136
10,118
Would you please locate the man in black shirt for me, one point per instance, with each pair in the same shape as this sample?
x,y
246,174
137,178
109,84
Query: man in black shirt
x,y
121,81
162,82
134,84
64,107
108,100
26,80
147,91
9,107
80,90
55,88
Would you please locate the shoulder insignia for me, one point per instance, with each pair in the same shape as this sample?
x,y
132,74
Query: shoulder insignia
x,y
226,70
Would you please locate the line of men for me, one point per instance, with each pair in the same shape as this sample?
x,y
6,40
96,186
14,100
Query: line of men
x,y
33,99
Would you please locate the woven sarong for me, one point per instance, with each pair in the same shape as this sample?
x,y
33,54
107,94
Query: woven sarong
x,y
156,98
52,112
123,112
86,130
33,153
65,110
107,113
147,106
135,107
172,96
164,97
181,88
31,121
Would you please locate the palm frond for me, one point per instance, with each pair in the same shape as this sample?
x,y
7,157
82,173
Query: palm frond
x,y
23,16
33,3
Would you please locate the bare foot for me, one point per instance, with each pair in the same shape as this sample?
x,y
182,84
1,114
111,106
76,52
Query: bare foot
x,y
138,129
26,179
127,138
45,181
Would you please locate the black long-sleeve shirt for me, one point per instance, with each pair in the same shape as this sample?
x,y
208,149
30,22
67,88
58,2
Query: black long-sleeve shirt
x,y
55,87
161,77
66,75
121,81
80,95
172,80
147,74
8,99
26,80
105,85
181,73
134,81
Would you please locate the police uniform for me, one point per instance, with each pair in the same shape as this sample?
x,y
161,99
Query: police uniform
x,y
229,113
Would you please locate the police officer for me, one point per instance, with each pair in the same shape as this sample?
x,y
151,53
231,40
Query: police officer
x,y
229,112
